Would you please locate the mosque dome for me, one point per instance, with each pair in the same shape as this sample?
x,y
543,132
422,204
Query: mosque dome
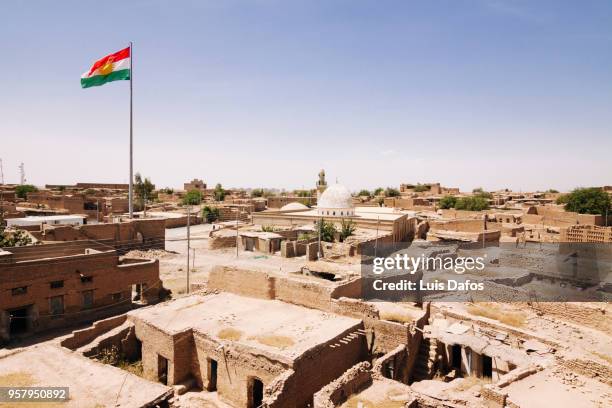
x,y
294,207
337,201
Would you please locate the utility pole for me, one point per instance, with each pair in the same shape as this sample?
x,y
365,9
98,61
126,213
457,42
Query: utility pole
x,y
320,227
188,242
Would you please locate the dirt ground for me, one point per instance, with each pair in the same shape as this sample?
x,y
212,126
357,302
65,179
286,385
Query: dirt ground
x,y
173,262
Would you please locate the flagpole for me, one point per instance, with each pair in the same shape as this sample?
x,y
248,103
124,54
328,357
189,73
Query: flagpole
x,y
131,188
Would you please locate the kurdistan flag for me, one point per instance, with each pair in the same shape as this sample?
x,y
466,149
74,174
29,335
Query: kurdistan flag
x,y
113,67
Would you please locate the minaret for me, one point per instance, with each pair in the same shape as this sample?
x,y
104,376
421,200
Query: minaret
x,y
321,183
22,174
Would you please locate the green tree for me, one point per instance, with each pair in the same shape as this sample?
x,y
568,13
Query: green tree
x,y
167,190
447,202
143,189
22,190
13,238
378,191
302,193
347,228
219,192
591,200
210,214
257,192
391,192
552,191
479,192
327,230
193,197
364,193
474,203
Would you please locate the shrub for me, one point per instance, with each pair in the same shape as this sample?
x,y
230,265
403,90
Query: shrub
x,y
447,202
210,214
327,230
419,188
378,191
364,193
347,228
268,228
391,192
22,190
257,192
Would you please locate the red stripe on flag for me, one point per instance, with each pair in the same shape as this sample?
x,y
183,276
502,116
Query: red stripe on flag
x,y
118,56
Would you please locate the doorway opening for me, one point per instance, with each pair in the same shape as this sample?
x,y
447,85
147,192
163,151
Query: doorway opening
x,y
212,375
487,366
162,369
255,392
456,357
19,321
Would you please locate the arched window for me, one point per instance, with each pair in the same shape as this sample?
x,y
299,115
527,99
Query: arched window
x,y
334,213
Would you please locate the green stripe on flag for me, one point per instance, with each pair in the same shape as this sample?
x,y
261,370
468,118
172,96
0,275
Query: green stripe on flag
x,y
98,80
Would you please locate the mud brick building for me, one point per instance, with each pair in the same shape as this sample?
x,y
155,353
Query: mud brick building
x,y
247,349
55,285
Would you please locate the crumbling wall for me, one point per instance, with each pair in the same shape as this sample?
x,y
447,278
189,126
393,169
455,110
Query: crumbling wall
x,y
157,343
79,338
236,365
353,381
303,293
393,365
494,395
222,238
327,361
242,282
596,316
589,368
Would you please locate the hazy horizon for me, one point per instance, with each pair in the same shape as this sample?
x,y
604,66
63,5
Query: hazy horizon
x,y
264,93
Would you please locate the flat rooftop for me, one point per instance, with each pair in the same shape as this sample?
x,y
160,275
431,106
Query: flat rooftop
x,y
91,384
270,325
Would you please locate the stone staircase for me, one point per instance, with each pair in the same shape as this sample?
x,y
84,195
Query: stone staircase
x,y
425,362
348,338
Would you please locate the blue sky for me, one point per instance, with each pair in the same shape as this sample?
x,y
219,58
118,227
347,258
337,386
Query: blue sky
x,y
492,93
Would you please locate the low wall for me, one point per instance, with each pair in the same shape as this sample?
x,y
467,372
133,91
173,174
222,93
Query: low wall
x,y
354,380
81,337
242,282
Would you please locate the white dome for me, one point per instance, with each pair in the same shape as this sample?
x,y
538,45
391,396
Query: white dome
x,y
336,197
294,207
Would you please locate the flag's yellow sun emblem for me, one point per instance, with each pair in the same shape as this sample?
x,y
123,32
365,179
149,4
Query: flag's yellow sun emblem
x,y
107,68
